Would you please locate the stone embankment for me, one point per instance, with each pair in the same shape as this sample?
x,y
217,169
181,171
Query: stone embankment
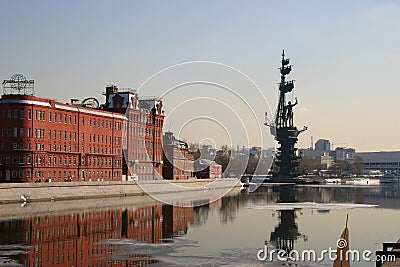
x,y
43,192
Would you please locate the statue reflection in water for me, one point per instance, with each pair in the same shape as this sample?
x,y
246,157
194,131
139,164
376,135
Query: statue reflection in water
x,y
286,232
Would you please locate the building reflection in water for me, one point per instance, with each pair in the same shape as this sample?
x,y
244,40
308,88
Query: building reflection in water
x,y
75,239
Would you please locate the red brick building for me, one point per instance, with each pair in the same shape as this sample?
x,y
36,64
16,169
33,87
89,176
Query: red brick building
x,y
142,133
45,140
205,168
177,161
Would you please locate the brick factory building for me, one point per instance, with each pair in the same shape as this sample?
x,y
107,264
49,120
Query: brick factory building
x,y
142,133
204,168
45,140
178,163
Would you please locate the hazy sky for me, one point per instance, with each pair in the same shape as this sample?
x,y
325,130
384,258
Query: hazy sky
x,y
344,55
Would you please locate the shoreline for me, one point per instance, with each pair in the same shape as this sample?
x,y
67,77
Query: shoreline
x,y
48,192
99,196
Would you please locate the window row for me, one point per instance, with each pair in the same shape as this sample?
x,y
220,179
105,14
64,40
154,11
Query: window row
x,y
13,114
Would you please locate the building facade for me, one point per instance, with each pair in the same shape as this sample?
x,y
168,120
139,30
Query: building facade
x,y
323,144
204,169
385,161
44,140
178,164
142,136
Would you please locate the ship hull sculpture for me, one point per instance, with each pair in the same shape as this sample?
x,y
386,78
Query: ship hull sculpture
x,y
285,132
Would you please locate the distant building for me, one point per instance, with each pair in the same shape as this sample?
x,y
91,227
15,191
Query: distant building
x,y
178,164
204,168
382,161
323,145
326,160
310,153
207,152
343,153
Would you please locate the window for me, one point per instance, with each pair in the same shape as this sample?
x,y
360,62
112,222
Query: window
x,y
55,117
21,132
21,146
49,116
49,135
15,145
9,113
21,114
21,159
83,137
15,113
29,132
15,132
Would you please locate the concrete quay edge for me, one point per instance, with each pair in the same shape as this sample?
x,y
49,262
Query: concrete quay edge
x,y
45,192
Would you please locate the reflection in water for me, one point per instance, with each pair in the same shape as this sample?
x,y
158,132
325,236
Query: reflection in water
x,y
141,236
286,233
73,239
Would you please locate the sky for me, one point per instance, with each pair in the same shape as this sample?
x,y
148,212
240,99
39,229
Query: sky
x,y
215,63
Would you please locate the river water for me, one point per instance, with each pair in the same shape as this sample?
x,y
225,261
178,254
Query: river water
x,y
228,232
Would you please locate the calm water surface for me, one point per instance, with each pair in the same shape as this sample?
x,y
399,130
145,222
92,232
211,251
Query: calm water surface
x,y
228,232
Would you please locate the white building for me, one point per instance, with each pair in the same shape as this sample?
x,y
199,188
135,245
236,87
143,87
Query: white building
x,y
383,161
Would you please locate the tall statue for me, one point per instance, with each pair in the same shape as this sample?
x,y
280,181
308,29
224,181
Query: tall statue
x,y
289,113
285,132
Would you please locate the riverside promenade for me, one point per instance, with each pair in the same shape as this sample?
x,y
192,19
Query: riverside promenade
x,y
17,199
